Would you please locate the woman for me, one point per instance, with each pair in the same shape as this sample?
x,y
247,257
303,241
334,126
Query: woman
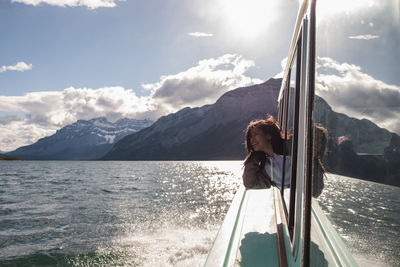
x,y
263,165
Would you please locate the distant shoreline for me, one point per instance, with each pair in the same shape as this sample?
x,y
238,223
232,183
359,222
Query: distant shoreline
x,y
5,157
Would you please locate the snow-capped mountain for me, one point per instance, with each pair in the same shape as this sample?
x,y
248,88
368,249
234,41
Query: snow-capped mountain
x,y
84,139
103,131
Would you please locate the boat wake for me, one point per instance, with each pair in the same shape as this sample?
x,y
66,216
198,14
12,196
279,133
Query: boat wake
x,y
162,247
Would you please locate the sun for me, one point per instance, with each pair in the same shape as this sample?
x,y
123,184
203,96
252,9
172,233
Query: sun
x,y
247,18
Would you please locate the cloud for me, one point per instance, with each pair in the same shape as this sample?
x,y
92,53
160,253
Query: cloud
x,y
91,4
283,66
19,133
351,91
199,85
364,37
200,34
20,66
44,112
59,108
7,119
202,84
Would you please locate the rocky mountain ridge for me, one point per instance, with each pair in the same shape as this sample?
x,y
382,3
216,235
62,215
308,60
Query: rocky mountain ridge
x,y
84,139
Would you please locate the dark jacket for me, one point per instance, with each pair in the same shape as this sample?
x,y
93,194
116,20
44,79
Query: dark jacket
x,y
254,174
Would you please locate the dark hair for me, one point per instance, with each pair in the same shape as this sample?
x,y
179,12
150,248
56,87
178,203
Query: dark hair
x,y
268,126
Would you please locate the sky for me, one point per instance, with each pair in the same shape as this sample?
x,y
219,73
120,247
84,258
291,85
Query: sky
x,y
64,60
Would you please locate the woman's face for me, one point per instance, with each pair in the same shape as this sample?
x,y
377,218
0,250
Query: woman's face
x,y
259,141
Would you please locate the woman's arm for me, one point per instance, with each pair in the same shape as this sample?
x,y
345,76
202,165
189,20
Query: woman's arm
x,y
254,176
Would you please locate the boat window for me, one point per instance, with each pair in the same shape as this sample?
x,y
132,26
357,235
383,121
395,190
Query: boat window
x,y
288,130
280,111
289,127
356,115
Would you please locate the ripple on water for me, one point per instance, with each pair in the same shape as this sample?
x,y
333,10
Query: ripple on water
x,y
362,213
6,211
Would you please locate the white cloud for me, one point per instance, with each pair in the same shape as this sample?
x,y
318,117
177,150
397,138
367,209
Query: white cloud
x,y
202,84
20,66
349,90
44,112
59,108
19,133
283,66
9,118
91,4
364,37
200,34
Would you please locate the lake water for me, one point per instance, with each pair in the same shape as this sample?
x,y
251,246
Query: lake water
x,y
93,213
367,217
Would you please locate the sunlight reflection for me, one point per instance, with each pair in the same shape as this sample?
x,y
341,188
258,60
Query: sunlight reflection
x,y
328,8
234,166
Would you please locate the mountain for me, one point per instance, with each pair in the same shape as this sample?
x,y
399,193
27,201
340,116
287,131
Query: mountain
x,y
217,132
84,139
211,132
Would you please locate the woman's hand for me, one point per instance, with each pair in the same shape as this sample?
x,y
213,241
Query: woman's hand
x,y
259,157
254,175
